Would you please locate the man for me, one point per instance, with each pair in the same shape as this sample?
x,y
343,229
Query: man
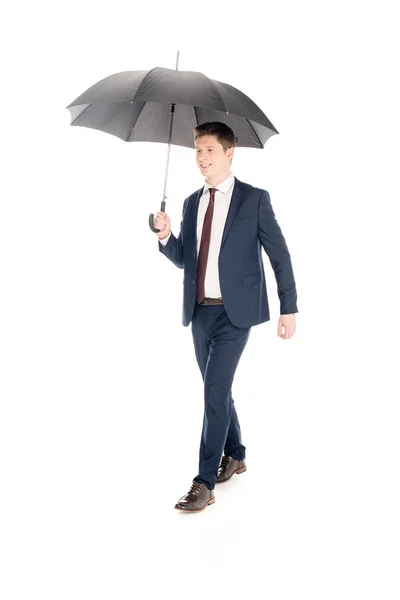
x,y
224,225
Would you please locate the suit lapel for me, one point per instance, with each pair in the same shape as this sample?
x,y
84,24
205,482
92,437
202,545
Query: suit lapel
x,y
236,200
192,233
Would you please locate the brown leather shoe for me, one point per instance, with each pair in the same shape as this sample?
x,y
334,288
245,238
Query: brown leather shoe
x,y
228,467
197,498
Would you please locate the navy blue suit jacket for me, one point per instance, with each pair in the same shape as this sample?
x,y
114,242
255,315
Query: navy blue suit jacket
x,y
250,224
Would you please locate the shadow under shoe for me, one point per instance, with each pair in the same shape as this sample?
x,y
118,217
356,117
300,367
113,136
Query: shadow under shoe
x,y
197,498
228,467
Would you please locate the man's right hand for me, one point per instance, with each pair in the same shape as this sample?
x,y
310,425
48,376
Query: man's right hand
x,y
163,223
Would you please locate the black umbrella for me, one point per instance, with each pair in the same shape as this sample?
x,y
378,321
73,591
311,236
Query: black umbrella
x,y
164,105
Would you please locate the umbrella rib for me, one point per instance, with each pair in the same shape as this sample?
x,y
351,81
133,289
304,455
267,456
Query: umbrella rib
x,y
81,113
144,103
219,95
138,115
141,83
255,133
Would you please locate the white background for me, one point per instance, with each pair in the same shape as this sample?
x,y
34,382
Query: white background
x,y
101,396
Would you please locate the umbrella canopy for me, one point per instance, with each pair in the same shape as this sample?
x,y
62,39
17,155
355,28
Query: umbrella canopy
x,y
136,106
140,106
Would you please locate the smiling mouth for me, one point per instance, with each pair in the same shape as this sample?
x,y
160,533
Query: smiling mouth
x,y
205,166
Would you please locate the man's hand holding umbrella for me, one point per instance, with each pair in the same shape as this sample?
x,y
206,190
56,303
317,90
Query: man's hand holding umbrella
x,y
163,223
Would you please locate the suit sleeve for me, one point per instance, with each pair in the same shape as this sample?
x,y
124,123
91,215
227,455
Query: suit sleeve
x,y
274,244
173,249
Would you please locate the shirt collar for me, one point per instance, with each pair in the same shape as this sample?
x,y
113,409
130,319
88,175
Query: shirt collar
x,y
224,186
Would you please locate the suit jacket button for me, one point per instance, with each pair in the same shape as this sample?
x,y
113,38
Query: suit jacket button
x,y
194,281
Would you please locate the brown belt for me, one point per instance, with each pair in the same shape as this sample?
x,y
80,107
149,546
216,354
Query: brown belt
x,y
212,301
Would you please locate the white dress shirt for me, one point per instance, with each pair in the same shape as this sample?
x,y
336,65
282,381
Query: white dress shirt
x,y
222,201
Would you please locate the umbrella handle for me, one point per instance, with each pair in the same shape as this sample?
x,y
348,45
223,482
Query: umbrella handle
x,y
151,218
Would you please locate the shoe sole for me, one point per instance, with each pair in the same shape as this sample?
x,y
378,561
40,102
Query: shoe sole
x,y
188,510
241,470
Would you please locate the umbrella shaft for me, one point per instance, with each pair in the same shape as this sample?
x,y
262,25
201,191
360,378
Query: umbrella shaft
x,y
171,121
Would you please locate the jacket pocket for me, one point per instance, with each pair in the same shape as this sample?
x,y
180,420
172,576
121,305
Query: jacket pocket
x,y
242,220
251,278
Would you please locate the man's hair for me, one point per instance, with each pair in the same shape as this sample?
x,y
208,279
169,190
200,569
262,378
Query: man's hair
x,y
223,133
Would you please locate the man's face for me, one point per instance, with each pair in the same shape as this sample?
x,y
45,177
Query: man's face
x,y
212,159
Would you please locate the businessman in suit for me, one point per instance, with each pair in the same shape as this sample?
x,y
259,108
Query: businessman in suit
x,y
224,225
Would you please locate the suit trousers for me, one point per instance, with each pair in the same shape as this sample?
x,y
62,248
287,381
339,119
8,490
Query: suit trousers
x,y
218,347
